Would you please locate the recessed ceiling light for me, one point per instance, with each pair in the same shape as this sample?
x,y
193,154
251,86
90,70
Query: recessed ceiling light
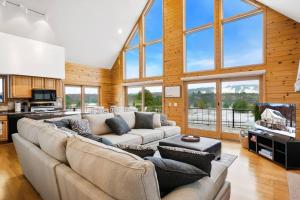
x,y
120,31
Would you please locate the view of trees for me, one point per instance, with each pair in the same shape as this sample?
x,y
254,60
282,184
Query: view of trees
x,y
153,101
205,98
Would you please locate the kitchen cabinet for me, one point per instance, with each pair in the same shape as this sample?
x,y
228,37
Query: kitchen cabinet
x,y
21,86
59,88
50,84
3,129
37,83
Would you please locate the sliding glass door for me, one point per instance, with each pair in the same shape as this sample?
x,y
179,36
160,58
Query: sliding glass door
x,y
202,108
221,108
238,103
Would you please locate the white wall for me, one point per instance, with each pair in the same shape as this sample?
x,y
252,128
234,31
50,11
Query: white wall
x,y
24,56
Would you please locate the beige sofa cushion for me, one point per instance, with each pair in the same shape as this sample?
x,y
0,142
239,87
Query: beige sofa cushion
x,y
97,123
117,173
29,129
170,130
74,187
129,117
148,135
53,141
123,139
205,188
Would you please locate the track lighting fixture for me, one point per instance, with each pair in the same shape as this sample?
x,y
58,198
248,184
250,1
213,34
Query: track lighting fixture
x,y
26,10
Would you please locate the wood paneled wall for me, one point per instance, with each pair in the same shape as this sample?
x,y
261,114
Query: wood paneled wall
x,y
282,57
84,75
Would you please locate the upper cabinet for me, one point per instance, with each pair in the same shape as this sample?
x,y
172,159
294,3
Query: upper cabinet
x,y
59,88
37,83
21,86
50,84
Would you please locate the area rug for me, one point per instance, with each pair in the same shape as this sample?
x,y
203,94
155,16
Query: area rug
x,y
227,159
294,185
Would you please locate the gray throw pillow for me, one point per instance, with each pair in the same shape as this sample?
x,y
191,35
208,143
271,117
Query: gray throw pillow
x,y
172,174
201,160
118,125
139,150
80,126
164,120
144,120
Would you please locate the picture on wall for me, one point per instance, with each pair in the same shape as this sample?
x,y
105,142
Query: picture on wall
x,y
173,92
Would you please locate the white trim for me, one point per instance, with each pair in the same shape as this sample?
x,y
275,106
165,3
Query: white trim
x,y
143,83
226,75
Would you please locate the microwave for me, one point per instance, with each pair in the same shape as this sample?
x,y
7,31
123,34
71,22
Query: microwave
x,y
43,95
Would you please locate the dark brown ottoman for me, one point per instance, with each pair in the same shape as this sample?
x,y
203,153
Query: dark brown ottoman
x,y
205,144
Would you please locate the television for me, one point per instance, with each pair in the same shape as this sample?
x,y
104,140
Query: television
x,y
276,118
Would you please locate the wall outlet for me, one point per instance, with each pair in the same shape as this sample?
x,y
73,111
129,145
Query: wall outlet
x,y
175,104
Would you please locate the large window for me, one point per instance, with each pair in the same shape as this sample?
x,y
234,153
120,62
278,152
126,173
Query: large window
x,y
240,44
73,97
153,40
144,50
199,34
91,96
81,97
242,34
2,86
148,98
132,57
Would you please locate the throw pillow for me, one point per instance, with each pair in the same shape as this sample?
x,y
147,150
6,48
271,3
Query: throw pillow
x,y
80,126
60,123
118,125
138,150
201,160
96,138
172,174
144,120
164,120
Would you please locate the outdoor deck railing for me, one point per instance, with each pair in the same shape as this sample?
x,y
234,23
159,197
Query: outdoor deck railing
x,y
230,117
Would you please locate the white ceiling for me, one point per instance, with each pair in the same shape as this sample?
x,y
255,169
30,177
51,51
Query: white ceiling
x,y
289,8
88,29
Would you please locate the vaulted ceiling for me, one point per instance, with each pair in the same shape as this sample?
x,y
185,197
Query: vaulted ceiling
x,y
289,8
92,31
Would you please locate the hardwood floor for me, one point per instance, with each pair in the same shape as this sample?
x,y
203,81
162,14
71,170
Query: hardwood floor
x,y
251,176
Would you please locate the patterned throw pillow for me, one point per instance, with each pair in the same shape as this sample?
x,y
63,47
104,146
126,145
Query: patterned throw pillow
x,y
201,160
138,150
80,126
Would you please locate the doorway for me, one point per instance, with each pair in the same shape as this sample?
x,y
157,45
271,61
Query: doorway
x,y
221,108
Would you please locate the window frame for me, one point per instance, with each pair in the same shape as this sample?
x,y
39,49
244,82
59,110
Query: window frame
x,y
257,11
128,48
186,32
140,26
82,93
5,92
143,96
217,26
152,42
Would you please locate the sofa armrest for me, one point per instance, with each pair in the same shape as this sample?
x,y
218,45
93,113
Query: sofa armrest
x,y
171,123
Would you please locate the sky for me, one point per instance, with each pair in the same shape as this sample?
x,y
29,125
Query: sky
x,y
77,90
242,39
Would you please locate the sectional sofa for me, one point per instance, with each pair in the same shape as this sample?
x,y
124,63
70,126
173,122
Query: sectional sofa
x,y
63,166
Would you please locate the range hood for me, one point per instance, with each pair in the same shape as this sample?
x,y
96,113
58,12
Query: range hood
x,y
22,56
297,84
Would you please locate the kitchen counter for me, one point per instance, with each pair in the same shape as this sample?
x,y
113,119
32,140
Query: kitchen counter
x,y
49,115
